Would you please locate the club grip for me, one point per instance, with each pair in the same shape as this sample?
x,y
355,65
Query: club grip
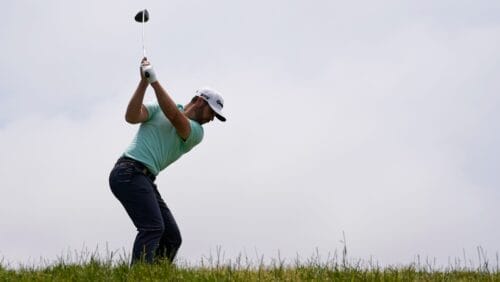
x,y
149,73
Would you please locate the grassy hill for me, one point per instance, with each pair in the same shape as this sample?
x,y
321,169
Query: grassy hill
x,y
99,270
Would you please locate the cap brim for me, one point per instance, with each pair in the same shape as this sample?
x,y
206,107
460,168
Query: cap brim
x,y
217,113
219,117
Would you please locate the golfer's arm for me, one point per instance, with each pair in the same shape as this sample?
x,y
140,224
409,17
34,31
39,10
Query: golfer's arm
x,y
136,111
169,108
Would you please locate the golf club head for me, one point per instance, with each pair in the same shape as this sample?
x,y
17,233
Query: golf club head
x,y
139,16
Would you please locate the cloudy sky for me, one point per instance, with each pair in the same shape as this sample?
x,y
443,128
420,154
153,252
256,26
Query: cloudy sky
x,y
379,120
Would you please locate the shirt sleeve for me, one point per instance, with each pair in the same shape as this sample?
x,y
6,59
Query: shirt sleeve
x,y
195,136
152,109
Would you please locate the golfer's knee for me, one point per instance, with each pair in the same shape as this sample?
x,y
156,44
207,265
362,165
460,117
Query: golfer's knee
x,y
177,242
174,240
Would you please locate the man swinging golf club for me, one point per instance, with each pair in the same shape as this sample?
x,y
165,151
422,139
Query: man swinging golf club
x,y
167,131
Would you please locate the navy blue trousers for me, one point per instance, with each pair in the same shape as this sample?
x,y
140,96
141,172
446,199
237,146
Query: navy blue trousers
x,y
158,236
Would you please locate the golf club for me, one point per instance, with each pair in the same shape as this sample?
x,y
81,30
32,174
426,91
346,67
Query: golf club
x,y
142,17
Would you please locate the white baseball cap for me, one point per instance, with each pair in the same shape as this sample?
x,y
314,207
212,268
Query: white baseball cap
x,y
214,100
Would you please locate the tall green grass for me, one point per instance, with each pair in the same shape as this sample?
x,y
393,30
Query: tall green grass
x,y
114,266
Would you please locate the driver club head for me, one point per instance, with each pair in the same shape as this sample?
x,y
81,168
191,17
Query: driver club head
x,y
143,14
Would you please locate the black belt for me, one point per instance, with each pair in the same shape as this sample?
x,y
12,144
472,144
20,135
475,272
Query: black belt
x,y
137,164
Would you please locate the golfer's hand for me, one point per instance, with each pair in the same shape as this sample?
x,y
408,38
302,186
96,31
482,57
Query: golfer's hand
x,y
147,71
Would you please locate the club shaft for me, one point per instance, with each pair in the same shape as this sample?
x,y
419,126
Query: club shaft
x,y
143,44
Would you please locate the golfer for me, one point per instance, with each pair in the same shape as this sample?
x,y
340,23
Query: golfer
x,y
167,131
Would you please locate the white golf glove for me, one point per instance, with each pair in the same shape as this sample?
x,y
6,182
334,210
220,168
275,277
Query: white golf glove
x,y
149,73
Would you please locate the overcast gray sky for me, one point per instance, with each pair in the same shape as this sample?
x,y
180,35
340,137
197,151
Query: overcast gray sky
x,y
379,120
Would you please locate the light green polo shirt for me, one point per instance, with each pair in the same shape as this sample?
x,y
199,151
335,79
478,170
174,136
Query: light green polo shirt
x,y
157,143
